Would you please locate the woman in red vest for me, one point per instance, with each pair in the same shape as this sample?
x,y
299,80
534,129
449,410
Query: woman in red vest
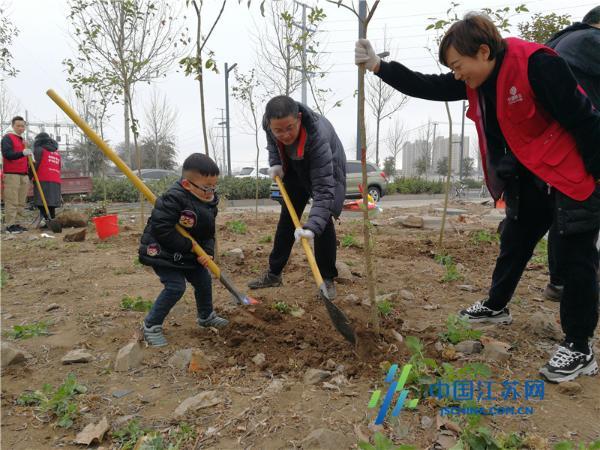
x,y
539,141
48,167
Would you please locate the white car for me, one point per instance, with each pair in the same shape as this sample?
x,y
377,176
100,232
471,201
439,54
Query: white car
x,y
250,172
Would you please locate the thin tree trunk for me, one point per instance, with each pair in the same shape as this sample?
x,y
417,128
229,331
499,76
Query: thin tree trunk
x,y
365,196
127,128
137,151
448,176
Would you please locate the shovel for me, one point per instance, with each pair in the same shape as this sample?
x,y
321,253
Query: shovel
x,y
139,184
339,319
53,224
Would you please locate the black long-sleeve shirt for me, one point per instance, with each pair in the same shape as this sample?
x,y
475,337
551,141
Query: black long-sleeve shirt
x,y
553,85
8,150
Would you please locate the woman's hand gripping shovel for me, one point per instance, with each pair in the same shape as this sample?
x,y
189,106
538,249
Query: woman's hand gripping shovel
x,y
339,319
139,184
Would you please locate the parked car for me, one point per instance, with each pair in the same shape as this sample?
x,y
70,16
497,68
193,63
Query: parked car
x,y
250,172
376,182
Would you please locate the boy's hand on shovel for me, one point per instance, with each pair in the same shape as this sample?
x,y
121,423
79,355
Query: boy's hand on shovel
x,y
204,260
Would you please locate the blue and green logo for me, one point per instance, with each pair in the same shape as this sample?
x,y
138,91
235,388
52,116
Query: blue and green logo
x,y
395,386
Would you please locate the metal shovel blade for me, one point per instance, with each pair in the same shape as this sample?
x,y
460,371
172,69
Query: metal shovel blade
x,y
54,225
339,319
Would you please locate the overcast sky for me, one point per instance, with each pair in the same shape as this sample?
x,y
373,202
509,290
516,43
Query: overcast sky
x,y
44,42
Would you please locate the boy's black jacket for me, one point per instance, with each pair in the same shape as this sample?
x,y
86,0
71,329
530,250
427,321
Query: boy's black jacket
x,y
162,245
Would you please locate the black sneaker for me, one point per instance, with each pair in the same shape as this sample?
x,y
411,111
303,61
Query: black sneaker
x,y
553,292
21,228
266,281
14,229
567,364
480,313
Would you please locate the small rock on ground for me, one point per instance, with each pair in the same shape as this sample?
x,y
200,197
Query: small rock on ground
x,y
323,438
314,376
11,355
129,357
570,388
77,356
469,347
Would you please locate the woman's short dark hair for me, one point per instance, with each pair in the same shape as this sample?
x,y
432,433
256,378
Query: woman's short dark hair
x,y
468,34
200,163
280,107
592,17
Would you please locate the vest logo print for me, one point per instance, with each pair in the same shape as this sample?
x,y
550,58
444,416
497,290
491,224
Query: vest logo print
x,y
514,96
395,386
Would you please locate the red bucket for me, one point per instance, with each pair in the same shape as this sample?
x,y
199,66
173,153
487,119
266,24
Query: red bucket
x,y
106,226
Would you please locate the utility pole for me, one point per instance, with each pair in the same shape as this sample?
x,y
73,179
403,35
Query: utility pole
x,y
430,158
227,70
223,128
305,31
462,141
362,16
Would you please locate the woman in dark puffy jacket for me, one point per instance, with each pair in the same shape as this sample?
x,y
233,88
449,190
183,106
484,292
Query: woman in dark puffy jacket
x,y
48,167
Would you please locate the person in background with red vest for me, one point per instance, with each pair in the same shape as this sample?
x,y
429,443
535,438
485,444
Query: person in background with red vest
x,y
48,167
539,141
579,45
16,183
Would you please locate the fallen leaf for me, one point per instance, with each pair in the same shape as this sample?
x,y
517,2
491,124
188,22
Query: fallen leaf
x,y
92,432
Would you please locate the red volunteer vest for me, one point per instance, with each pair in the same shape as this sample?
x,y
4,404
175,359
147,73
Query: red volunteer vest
x,y
538,141
49,169
15,165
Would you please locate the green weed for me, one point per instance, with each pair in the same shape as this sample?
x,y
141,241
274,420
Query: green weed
x,y
540,254
282,307
127,436
485,236
383,443
135,304
103,245
459,329
266,239
4,276
29,330
59,403
349,241
137,262
452,273
237,226
385,307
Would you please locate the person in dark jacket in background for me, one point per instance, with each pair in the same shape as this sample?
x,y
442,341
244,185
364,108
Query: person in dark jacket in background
x,y
579,45
305,151
192,203
16,184
48,167
538,138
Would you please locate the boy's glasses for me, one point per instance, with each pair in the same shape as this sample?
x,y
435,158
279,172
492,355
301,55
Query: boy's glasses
x,y
205,189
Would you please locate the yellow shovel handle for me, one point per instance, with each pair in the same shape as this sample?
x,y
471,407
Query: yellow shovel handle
x,y
39,185
309,254
139,184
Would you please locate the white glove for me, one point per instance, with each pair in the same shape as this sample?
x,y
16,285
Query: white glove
x,y
364,53
275,171
27,152
300,233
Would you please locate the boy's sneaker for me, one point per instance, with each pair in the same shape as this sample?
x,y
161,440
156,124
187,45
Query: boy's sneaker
x,y
21,228
553,292
266,281
480,313
154,335
213,321
567,364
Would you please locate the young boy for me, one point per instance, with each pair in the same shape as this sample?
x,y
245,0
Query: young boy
x,y
192,203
